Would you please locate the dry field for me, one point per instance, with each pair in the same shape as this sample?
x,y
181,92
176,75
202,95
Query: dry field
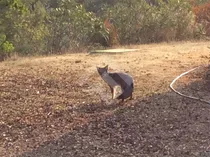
x,y
59,106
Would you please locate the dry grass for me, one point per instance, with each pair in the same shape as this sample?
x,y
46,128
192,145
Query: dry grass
x,y
43,98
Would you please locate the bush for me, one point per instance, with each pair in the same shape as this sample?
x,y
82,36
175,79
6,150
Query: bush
x,y
72,27
139,22
5,47
202,14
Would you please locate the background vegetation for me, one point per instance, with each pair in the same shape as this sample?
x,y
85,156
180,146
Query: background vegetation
x,y
56,26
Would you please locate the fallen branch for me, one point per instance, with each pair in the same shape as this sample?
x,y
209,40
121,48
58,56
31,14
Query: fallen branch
x,y
183,95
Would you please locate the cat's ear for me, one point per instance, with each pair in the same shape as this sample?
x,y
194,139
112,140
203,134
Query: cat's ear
x,y
106,67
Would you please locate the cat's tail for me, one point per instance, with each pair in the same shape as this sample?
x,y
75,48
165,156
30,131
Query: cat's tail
x,y
132,86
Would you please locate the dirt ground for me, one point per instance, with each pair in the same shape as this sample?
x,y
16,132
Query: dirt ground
x,y
59,106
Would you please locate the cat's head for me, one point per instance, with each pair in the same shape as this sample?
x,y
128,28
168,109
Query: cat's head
x,y
103,70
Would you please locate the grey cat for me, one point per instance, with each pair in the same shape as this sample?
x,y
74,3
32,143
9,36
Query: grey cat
x,y
123,80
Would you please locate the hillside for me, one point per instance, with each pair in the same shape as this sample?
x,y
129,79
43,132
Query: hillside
x,y
59,106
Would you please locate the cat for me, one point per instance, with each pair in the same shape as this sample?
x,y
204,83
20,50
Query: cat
x,y
123,80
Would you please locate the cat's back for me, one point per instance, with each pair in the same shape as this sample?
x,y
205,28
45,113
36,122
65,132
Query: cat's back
x,y
120,76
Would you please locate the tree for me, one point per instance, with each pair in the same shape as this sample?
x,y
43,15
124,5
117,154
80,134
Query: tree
x,y
10,16
72,26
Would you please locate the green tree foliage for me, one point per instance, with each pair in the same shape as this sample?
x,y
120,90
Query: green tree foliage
x,y
23,27
10,13
96,5
199,2
33,30
5,47
71,26
139,22
40,26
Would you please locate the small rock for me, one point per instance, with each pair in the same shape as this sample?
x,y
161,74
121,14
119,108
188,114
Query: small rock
x,y
78,61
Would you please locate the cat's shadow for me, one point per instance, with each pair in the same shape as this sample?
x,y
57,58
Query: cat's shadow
x,y
103,106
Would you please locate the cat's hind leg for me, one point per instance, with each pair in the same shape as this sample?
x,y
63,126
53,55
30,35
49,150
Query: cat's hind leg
x,y
112,91
131,97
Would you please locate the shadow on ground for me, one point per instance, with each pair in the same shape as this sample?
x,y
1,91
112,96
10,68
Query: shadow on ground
x,y
161,125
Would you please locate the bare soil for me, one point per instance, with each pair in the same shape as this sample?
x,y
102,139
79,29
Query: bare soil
x,y
59,106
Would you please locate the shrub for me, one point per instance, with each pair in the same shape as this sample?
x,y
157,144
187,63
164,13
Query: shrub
x,y
5,47
139,22
202,12
202,17
71,27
